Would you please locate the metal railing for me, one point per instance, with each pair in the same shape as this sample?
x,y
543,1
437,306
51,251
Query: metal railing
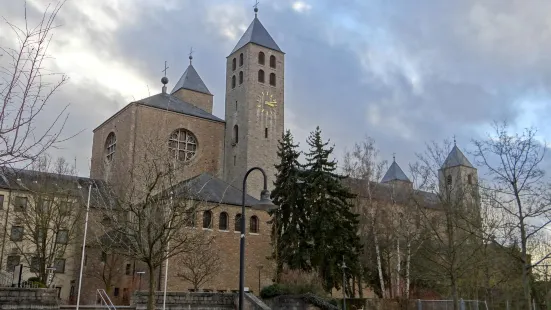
x,y
104,299
6,279
448,304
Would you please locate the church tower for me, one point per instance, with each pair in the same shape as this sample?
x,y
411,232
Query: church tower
x,y
459,180
254,107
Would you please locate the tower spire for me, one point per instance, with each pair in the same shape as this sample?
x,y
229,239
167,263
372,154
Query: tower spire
x,y
164,79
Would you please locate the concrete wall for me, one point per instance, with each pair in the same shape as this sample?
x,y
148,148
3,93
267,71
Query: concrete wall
x,y
24,298
184,301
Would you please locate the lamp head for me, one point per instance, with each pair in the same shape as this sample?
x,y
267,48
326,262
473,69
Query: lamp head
x,y
265,202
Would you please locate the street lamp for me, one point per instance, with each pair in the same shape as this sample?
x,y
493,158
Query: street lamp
x,y
140,273
264,204
343,283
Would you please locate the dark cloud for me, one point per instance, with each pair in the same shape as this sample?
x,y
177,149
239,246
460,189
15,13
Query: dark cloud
x,y
403,72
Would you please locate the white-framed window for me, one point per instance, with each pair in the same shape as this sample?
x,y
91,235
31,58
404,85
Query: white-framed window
x,y
183,145
110,146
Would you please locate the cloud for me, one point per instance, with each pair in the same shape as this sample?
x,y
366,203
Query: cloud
x,y
402,72
301,6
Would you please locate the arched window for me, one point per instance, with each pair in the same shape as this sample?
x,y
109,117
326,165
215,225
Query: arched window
x,y
233,81
235,134
261,76
223,221
253,225
110,146
449,180
240,77
207,219
234,64
470,179
272,79
240,59
261,58
237,222
272,61
182,144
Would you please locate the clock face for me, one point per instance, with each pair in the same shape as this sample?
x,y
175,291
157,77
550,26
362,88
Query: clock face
x,y
266,102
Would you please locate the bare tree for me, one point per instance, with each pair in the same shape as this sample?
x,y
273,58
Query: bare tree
x,y
44,222
451,230
518,189
26,87
200,265
108,269
364,169
150,222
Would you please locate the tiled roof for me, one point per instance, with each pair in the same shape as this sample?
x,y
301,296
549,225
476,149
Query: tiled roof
x,y
456,158
394,172
192,81
257,34
171,103
39,181
211,189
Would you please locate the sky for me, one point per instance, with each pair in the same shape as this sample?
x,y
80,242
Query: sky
x,y
402,72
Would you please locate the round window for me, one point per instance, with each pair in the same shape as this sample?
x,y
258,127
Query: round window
x,y
183,145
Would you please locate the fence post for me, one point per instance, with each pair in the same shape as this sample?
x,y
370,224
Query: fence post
x,y
461,304
419,305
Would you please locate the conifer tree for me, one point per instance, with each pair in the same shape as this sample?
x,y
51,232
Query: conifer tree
x,y
333,226
289,226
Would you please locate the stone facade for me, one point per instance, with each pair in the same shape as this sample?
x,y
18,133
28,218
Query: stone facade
x,y
198,99
260,126
25,299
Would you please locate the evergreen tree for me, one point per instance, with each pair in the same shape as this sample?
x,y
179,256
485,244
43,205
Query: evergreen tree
x,y
289,225
333,226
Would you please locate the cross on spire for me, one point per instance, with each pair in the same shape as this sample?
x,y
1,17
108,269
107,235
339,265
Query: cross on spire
x,y
454,141
255,8
393,156
166,68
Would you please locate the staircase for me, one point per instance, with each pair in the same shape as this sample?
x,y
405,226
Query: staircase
x,y
104,299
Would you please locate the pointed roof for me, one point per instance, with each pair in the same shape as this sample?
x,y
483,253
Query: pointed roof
x,y
192,81
393,173
257,34
456,158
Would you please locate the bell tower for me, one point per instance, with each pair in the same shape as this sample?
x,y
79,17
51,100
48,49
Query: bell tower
x,y
254,107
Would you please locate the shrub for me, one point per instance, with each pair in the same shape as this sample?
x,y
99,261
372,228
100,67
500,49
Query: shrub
x,y
300,282
274,290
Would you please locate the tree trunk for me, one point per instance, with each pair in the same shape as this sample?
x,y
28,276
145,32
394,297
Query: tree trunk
x,y
454,292
408,258
379,265
524,256
360,288
398,268
151,294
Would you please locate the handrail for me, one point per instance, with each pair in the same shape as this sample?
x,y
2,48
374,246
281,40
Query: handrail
x,y
105,299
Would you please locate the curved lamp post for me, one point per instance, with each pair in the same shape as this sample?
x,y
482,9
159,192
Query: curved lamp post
x,y
264,204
